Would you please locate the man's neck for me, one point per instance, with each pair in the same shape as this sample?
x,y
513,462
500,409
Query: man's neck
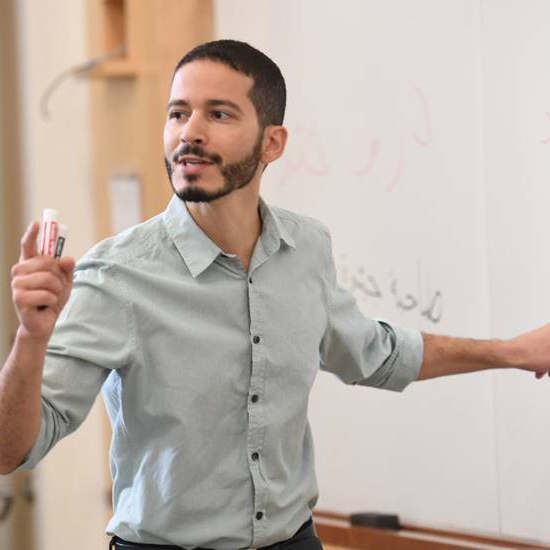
x,y
233,222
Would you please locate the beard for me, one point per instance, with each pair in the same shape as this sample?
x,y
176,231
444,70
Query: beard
x,y
235,175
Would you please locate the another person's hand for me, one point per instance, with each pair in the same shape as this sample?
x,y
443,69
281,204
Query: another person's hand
x,y
39,281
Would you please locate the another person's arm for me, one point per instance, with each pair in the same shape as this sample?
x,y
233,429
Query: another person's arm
x,y
444,355
36,280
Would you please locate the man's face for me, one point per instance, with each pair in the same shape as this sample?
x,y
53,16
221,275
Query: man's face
x,y
212,139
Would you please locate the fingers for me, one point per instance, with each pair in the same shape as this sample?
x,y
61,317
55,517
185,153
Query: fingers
x,y
41,280
24,299
36,264
41,286
28,242
63,268
67,266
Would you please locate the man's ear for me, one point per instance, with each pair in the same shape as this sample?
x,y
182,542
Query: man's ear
x,y
274,143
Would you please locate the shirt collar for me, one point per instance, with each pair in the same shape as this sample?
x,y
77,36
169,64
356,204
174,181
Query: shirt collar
x,y
199,251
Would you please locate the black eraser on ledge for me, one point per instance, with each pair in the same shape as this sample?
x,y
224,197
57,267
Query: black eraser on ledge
x,y
374,519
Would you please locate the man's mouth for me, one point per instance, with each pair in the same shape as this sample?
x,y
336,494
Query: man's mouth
x,y
187,160
193,165
191,162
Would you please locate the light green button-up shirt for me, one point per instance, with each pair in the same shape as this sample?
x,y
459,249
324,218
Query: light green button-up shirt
x,y
206,371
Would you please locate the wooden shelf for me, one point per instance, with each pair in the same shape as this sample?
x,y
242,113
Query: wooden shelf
x,y
115,68
336,532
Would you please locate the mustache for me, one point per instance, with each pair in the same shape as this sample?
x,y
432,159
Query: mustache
x,y
196,151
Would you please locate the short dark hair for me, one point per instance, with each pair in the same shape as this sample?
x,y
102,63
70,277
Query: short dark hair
x,y
268,93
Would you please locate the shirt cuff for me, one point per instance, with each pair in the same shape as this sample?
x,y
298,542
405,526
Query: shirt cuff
x,y
409,352
403,365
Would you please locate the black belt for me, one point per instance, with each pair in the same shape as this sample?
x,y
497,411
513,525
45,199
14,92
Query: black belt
x,y
305,531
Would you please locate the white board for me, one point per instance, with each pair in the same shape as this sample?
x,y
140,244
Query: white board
x,y
389,146
516,60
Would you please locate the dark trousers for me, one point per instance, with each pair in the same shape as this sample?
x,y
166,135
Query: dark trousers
x,y
304,539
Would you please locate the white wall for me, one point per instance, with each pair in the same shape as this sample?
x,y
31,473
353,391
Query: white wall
x,y
69,483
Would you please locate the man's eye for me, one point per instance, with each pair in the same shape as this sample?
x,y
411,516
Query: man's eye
x,y
176,114
220,115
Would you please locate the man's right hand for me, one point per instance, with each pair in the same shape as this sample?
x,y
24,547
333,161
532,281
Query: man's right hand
x,y
39,280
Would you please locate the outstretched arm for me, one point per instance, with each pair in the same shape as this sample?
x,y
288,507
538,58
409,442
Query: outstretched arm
x,y
444,355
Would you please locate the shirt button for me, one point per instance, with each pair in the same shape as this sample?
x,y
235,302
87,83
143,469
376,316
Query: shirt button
x,y
250,280
254,398
256,339
259,515
255,456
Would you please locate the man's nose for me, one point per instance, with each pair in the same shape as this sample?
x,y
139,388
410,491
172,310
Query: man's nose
x,y
194,130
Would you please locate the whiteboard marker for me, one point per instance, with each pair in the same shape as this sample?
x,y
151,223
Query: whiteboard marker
x,y
53,236
60,241
49,232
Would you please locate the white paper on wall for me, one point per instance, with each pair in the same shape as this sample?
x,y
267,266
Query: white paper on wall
x,y
125,201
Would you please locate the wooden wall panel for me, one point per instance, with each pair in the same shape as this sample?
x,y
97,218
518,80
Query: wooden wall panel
x,y
128,95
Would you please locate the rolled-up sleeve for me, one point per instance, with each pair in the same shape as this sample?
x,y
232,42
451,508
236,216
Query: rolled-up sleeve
x,y
91,338
364,351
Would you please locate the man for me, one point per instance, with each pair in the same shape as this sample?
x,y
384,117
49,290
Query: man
x,y
205,328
